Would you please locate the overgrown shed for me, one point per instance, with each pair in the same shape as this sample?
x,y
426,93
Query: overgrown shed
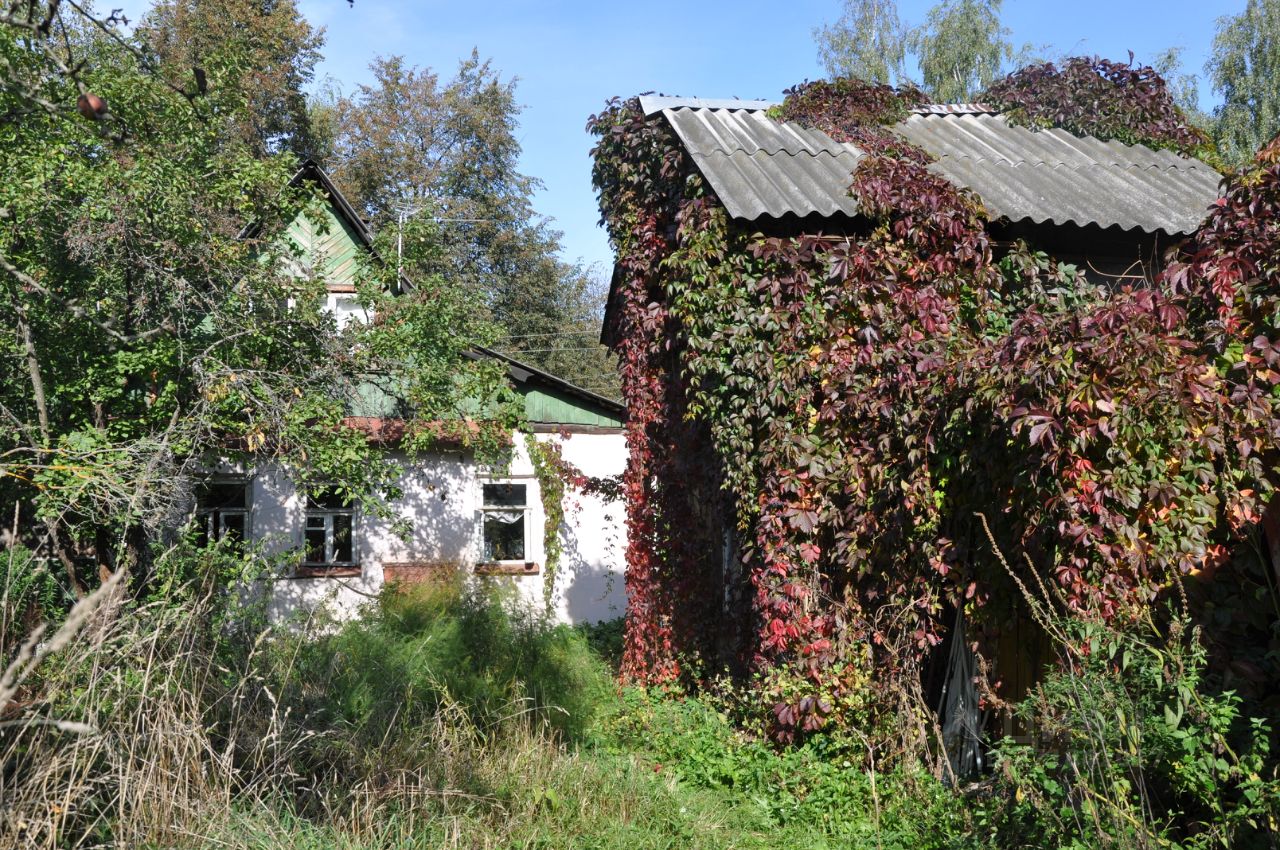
x,y
850,322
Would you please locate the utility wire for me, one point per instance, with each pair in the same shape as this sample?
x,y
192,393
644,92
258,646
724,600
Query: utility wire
x,y
514,352
550,333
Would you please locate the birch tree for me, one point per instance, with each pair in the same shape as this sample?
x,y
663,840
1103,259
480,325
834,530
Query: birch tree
x,y
867,41
1243,69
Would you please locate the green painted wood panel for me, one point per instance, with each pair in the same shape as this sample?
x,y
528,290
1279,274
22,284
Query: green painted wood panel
x,y
328,245
544,406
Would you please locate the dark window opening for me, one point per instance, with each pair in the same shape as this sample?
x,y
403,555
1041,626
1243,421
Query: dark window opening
x,y
503,515
222,512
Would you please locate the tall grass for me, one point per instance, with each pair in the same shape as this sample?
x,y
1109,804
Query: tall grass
x,y
443,719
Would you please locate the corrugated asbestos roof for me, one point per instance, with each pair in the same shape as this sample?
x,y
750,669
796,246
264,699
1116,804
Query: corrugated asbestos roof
x,y
762,167
651,104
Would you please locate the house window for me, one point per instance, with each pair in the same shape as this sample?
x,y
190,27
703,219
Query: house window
x,y
504,522
345,309
327,534
222,512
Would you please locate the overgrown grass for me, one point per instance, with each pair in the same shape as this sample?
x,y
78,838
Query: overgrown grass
x,y
447,717
444,718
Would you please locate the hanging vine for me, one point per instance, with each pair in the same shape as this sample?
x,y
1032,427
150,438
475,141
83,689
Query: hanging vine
x,y
556,476
856,398
549,470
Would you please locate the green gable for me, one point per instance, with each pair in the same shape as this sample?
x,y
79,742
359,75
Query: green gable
x,y
546,406
327,240
332,238
543,405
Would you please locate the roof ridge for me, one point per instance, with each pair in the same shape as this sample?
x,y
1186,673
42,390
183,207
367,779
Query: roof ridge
x,y
651,104
852,151
1140,166
954,109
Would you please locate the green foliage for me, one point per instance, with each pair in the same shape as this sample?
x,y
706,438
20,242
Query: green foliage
x,y
158,319
427,647
605,639
448,713
432,162
861,395
818,789
1184,86
260,54
1243,68
1135,750
31,594
547,464
868,42
962,49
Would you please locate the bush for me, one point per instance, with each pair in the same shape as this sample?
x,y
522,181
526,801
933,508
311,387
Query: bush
x,y
428,646
31,594
606,639
817,791
1135,752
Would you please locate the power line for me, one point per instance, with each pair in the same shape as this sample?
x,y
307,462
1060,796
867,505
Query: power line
x,y
550,333
513,353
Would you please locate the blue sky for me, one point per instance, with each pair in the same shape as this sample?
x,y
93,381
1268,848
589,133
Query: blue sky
x,y
570,56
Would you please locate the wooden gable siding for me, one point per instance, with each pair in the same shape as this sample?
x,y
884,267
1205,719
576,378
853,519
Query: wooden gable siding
x,y
545,406
328,246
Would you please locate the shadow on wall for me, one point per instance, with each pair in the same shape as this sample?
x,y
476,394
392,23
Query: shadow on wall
x,y
318,601
592,590
438,502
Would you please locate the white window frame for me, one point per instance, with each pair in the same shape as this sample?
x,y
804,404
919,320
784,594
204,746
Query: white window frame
x,y
345,308
526,523
327,516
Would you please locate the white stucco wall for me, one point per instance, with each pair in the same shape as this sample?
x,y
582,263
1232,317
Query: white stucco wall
x,y
442,496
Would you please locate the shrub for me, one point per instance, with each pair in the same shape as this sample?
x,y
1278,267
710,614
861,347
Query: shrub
x,y
818,789
427,646
1133,750
605,639
31,595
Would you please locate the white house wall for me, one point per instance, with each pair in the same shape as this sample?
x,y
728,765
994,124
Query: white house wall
x,y
441,499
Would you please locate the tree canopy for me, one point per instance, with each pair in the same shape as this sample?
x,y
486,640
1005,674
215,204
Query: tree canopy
x,y
962,48
434,165
262,51
1243,69
868,41
150,331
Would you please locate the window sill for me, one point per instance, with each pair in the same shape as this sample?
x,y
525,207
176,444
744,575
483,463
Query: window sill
x,y
507,568
345,571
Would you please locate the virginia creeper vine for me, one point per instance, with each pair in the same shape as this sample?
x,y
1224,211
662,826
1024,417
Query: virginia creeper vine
x,y
814,418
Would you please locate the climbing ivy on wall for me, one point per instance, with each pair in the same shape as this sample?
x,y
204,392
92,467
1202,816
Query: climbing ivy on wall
x,y
548,465
556,477
837,407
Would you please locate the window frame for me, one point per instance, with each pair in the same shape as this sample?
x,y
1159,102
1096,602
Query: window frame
x,y
314,509
519,565
210,519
